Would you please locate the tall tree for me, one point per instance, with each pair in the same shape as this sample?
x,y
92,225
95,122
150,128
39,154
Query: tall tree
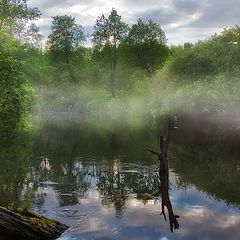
x,y
65,37
108,32
146,45
15,16
32,36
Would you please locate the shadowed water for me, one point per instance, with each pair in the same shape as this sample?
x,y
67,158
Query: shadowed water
x,y
100,180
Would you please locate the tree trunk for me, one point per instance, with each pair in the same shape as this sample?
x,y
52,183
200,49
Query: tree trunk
x,y
25,225
114,67
112,57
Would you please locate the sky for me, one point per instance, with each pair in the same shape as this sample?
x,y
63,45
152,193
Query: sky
x,y
181,20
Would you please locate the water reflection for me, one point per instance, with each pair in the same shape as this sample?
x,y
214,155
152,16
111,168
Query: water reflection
x,y
166,202
15,155
208,157
104,185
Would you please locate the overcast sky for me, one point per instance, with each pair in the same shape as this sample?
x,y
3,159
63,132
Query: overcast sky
x,y
182,20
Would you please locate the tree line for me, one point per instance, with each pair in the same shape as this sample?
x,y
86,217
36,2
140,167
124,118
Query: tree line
x,y
143,45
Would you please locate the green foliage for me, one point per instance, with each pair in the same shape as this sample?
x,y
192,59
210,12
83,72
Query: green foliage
x,y
123,61
14,16
149,32
14,88
192,63
37,66
219,54
209,94
225,49
66,35
145,46
190,80
109,31
200,78
27,204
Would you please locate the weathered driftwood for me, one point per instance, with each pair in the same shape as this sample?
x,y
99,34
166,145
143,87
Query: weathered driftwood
x,y
164,174
164,142
25,225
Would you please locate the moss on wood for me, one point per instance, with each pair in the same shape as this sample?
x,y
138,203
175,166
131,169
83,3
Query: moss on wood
x,y
22,224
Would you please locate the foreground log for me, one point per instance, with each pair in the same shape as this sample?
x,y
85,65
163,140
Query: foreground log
x,y
25,225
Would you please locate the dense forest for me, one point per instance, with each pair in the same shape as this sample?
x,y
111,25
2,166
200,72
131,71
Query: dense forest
x,y
127,70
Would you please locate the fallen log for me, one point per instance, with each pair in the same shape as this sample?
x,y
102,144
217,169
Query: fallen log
x,y
22,224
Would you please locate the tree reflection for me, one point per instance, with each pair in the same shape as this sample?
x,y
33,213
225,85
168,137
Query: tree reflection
x,y
209,158
15,155
166,202
111,185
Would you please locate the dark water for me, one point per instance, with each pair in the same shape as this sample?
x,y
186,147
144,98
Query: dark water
x,y
100,180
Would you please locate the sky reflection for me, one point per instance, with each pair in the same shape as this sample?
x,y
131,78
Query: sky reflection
x,y
102,184
201,216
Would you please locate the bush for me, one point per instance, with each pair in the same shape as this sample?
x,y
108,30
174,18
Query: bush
x,y
14,88
219,54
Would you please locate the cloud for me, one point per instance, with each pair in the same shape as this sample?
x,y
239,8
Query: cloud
x,y
182,20
219,14
188,6
180,35
64,4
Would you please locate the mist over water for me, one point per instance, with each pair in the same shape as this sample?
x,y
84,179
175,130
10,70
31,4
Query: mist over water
x,y
216,102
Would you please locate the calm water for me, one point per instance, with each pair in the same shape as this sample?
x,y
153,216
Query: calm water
x,y
100,180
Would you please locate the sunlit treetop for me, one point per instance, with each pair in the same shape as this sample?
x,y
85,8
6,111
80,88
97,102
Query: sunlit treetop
x,y
109,30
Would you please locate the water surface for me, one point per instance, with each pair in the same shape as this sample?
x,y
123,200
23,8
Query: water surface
x,y
100,180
